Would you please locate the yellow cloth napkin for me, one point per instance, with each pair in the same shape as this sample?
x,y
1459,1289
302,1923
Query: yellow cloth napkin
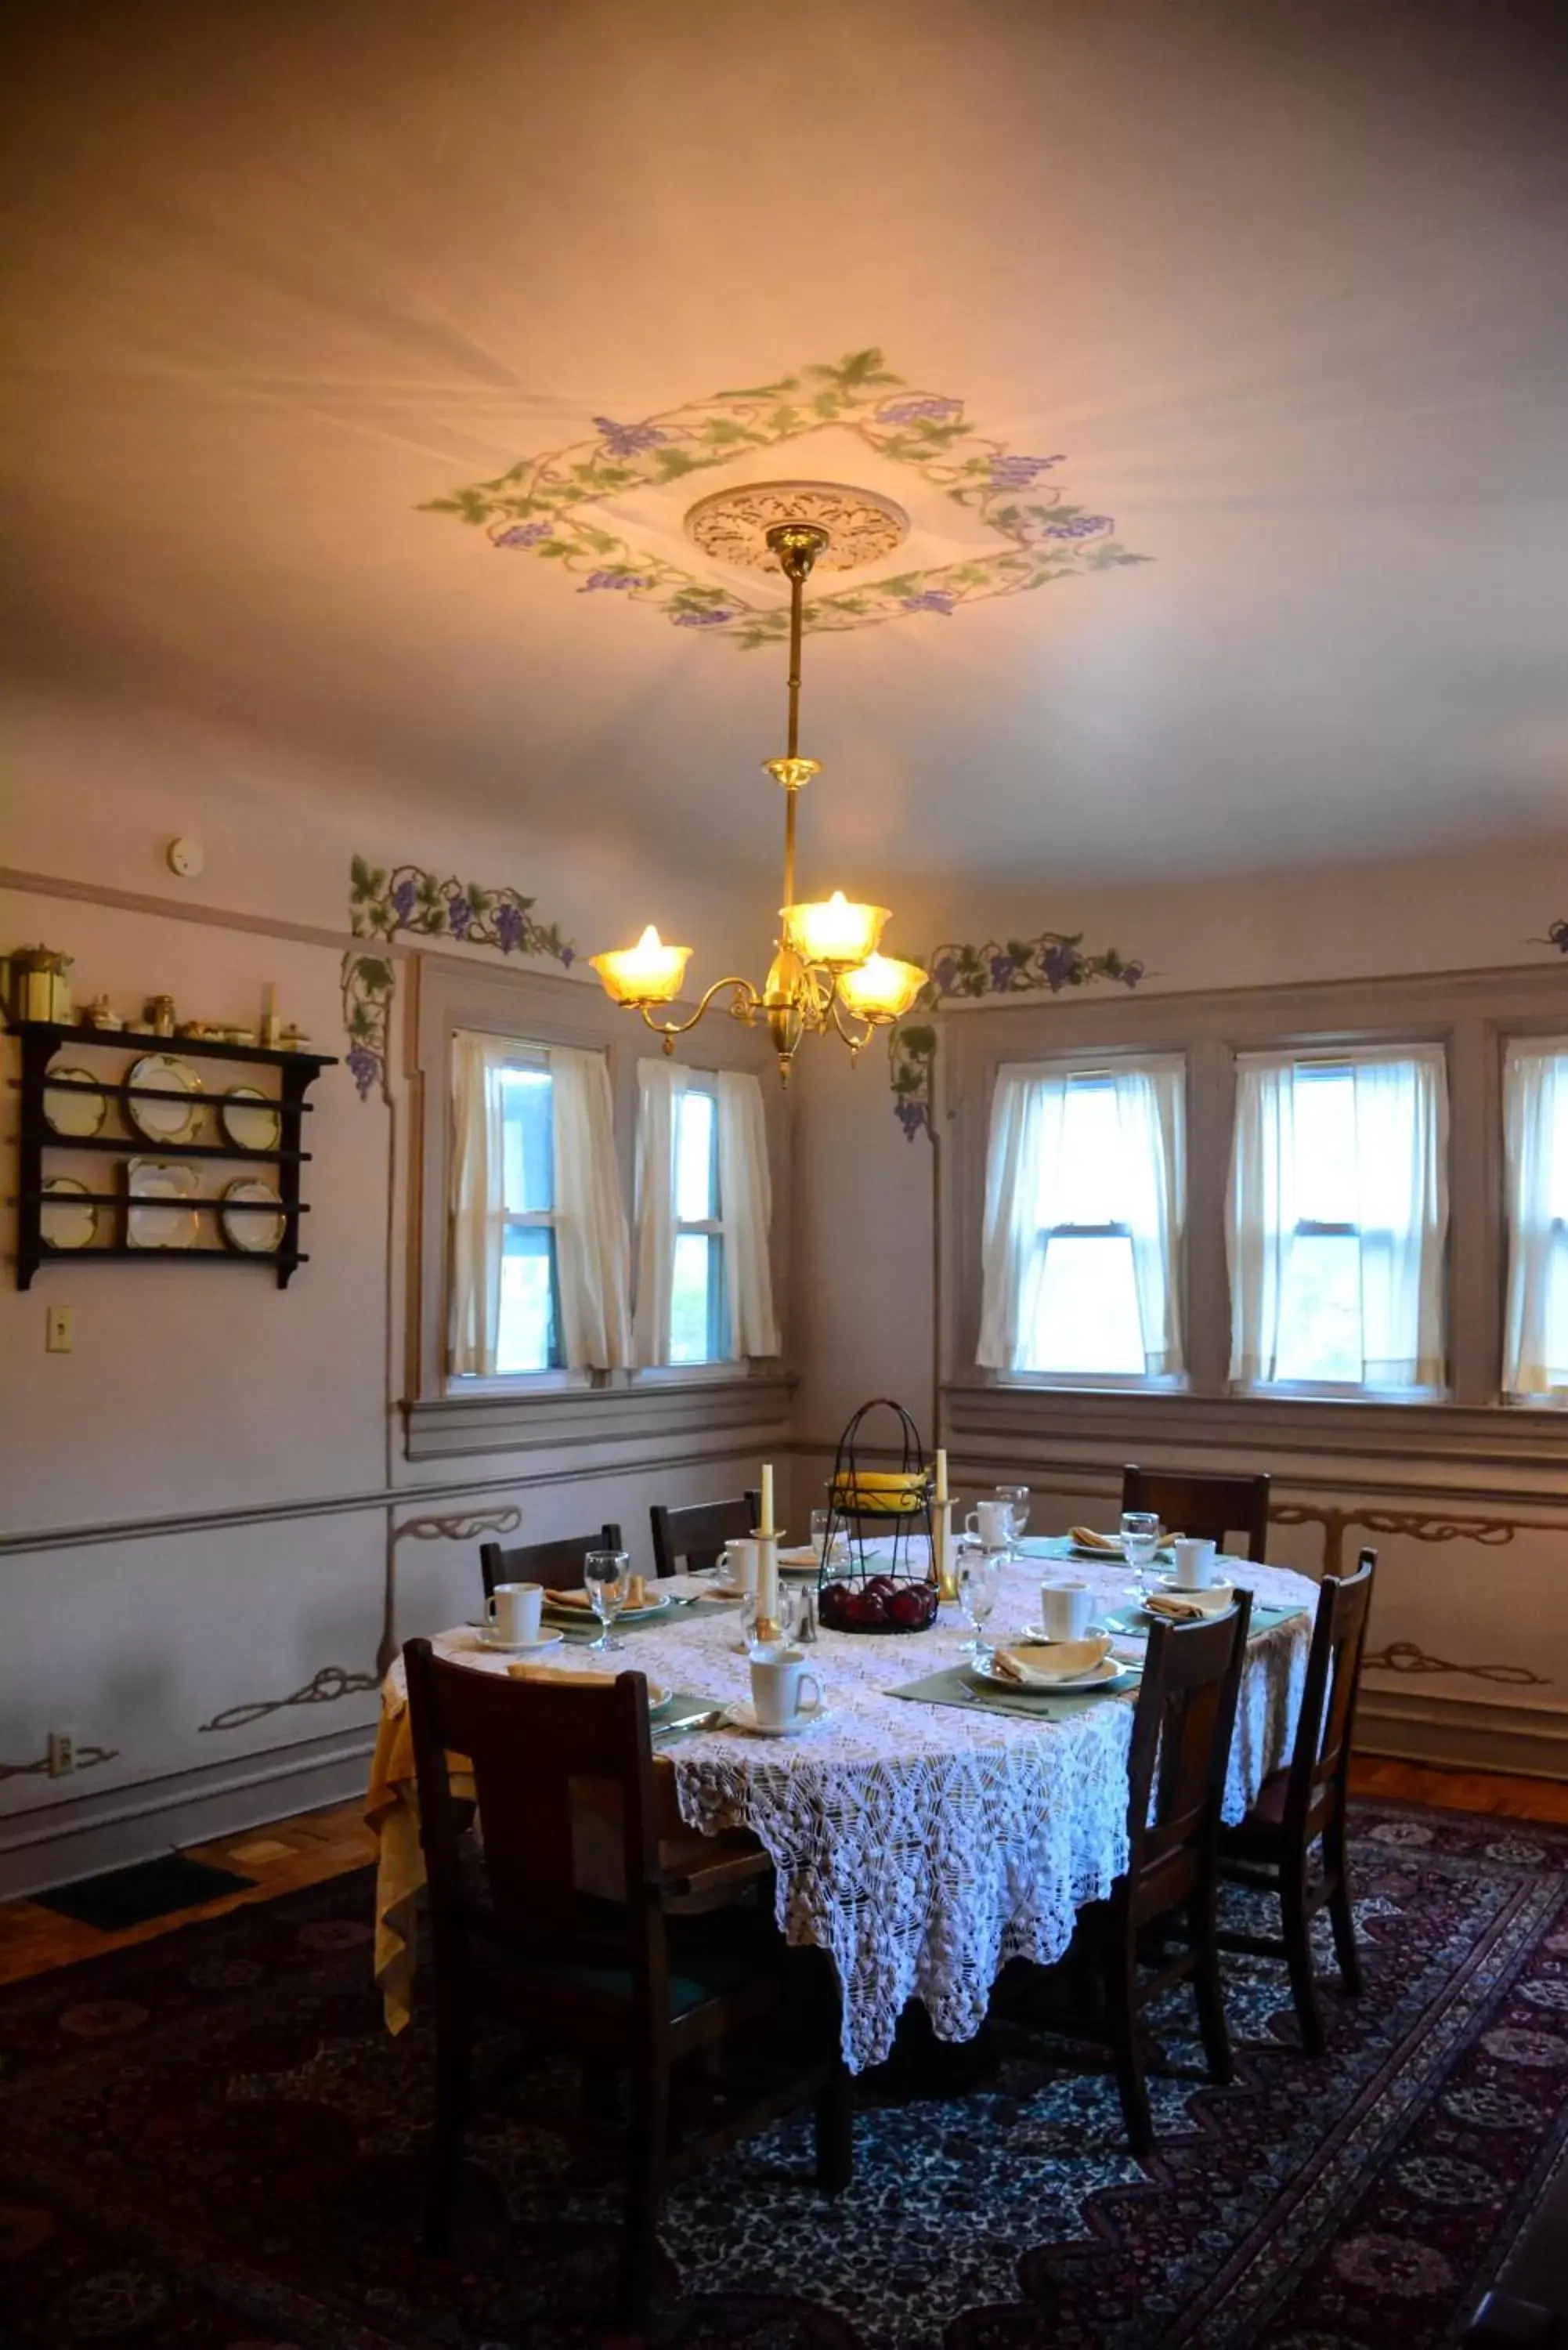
x,y
578,1599
1087,1539
1190,1606
1035,1666
562,1679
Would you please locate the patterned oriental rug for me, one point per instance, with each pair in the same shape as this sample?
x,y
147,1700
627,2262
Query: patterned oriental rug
x,y
209,2143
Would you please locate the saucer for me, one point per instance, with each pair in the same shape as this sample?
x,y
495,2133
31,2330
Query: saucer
x,y
742,1715
490,1638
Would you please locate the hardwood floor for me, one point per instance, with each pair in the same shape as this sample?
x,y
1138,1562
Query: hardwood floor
x,y
315,1846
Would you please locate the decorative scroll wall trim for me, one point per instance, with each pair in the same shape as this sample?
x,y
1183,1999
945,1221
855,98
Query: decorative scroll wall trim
x,y
384,900
1421,1525
1557,935
87,1759
555,507
1406,1657
1050,962
466,1526
326,1687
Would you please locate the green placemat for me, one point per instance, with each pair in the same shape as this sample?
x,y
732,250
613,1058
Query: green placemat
x,y
684,1717
1265,1614
953,1686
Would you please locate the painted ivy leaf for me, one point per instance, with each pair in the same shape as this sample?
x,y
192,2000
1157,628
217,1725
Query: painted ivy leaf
x,y
762,390
674,462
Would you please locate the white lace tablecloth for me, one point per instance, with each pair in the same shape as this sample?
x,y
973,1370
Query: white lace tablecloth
x,y
923,1846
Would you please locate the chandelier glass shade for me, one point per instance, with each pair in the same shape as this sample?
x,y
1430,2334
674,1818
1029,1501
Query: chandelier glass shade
x,y
826,964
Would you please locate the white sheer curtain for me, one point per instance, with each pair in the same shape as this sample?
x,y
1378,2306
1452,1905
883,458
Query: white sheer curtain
x,y
1535,1119
659,1086
1151,1110
592,1248
478,1201
1032,1185
1401,1110
746,1207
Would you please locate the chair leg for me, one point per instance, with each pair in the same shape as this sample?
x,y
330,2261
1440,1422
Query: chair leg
x,y
1340,1919
646,2154
1121,2024
452,2099
1298,1956
835,2129
1208,1989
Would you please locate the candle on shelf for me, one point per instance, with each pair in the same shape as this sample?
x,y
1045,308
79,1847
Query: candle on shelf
x,y
269,1012
767,1526
941,1491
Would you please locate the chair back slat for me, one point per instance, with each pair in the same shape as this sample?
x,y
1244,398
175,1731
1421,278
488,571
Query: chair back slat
x,y
536,1750
1193,1502
691,1538
1322,1754
1180,1749
558,1565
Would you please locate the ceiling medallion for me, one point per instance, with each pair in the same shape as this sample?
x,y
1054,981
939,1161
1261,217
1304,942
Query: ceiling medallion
x,y
825,963
561,505
735,526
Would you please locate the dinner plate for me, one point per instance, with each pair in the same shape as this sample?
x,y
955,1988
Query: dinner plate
x,y
67,1219
77,1107
626,1615
252,1233
1039,1638
159,1215
1112,1557
1214,1599
490,1638
1109,1668
250,1120
742,1715
165,1121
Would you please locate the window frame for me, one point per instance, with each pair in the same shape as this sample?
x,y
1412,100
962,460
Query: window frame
x,y
442,993
528,1053
1544,1040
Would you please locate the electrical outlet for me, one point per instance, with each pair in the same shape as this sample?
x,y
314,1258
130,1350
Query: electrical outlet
x,y
57,1329
62,1752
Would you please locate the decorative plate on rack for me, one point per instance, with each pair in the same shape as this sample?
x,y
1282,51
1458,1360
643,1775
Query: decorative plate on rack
x,y
158,1216
251,1119
74,1102
165,1121
251,1232
67,1219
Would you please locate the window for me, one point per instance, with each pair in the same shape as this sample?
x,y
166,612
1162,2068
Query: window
x,y
529,1336
538,1259
1536,1122
1337,1217
699,1312
704,1204
1084,1211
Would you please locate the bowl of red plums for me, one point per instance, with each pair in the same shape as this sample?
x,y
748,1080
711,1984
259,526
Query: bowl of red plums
x,y
878,1603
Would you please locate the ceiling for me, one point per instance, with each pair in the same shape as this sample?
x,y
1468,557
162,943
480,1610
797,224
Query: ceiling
x,y
1285,287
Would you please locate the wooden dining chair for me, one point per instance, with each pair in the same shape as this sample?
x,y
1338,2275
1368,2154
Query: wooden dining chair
x,y
628,1983
1305,1804
1192,1501
557,1564
690,1539
1177,1762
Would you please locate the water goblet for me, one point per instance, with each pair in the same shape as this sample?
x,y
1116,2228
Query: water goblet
x,y
1140,1540
605,1574
1016,1499
979,1575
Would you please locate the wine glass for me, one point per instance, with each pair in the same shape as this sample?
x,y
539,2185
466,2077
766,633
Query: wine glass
x,y
605,1572
1016,1499
1140,1540
979,1575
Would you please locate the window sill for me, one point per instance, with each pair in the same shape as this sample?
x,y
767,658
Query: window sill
x,y
558,1419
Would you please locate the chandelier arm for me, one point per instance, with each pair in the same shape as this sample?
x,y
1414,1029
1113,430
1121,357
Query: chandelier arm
x,y
746,1004
856,1044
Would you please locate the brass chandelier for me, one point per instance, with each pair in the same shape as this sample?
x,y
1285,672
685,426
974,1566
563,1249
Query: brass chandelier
x,y
826,971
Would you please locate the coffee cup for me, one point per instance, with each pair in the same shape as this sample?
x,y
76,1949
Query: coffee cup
x,y
738,1563
514,1612
779,1682
1064,1609
1194,1562
993,1522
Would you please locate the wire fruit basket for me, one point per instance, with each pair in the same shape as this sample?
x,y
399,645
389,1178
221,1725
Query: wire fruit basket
x,y
875,1577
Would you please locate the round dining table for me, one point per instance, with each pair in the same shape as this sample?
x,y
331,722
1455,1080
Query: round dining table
x,y
922,1844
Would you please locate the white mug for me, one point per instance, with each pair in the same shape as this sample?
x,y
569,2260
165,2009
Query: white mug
x,y
779,1682
514,1612
992,1521
1194,1562
738,1563
1064,1609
